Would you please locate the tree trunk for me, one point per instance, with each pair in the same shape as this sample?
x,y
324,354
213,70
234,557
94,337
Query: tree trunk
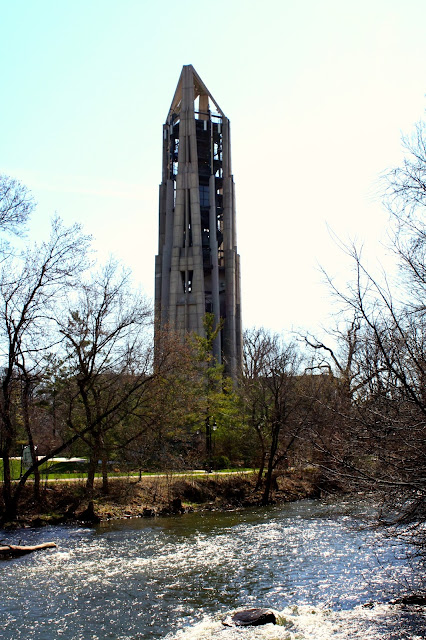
x,y
260,474
33,450
10,504
7,478
272,453
105,485
7,444
258,429
12,500
268,483
91,471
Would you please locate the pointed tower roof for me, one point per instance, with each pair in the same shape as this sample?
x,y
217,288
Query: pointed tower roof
x,y
189,75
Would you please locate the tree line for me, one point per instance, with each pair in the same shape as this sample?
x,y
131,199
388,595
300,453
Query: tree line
x,y
80,377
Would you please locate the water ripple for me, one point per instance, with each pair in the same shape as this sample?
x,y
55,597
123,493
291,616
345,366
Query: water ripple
x,y
147,579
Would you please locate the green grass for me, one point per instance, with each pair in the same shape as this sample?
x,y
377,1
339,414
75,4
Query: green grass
x,y
15,469
57,471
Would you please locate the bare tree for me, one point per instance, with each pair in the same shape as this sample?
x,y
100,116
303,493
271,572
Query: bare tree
x,y
342,360
108,360
270,387
31,285
388,413
16,205
405,198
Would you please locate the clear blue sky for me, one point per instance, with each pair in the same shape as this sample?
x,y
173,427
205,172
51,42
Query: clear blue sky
x,y
318,93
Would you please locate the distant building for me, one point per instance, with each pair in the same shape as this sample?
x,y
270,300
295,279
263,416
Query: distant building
x,y
197,269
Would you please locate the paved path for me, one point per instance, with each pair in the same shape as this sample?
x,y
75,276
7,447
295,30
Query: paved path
x,y
174,474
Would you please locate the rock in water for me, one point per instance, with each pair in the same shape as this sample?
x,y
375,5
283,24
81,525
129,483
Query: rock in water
x,y
253,617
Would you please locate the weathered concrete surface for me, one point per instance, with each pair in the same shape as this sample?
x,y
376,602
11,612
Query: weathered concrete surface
x,y
197,269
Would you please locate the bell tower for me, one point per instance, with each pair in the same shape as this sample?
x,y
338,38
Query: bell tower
x,y
197,269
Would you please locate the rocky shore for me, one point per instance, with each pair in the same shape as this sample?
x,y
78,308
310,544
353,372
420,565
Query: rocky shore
x,y
161,495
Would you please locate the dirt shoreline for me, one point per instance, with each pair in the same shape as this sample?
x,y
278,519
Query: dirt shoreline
x,y
163,495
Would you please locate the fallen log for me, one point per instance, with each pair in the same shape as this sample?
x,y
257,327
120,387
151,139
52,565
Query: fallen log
x,y
15,550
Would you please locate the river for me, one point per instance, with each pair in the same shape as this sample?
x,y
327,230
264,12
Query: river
x,y
176,578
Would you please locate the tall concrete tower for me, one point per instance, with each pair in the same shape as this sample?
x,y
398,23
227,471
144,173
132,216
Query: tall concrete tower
x,y
197,269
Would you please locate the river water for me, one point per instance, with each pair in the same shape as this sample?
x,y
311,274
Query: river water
x,y
176,578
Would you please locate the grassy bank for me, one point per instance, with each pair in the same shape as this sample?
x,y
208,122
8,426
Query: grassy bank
x,y
158,495
51,471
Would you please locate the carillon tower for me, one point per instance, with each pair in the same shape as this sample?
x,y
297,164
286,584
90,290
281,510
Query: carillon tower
x,y
197,269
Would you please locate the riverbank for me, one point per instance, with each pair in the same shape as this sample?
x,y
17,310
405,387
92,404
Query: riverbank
x,y
160,495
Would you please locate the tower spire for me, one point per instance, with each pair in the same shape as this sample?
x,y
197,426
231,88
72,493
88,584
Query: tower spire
x,y
197,267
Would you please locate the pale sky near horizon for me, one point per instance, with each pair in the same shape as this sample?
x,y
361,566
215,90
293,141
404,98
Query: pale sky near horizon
x,y
318,93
